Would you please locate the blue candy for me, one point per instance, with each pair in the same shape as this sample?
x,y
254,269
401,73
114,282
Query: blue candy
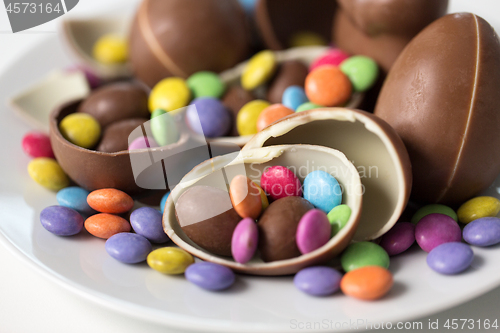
x,y
248,6
483,231
146,221
322,190
450,258
61,221
128,248
318,280
75,197
210,117
293,97
210,276
164,201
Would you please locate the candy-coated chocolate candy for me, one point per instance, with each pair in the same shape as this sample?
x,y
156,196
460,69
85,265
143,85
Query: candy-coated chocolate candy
x,y
48,173
164,201
478,207
290,73
234,99
263,197
75,197
143,143
333,57
259,70
307,38
110,200
328,86
37,144
245,240
105,225
308,106
246,121
450,258
280,182
146,221
399,238
483,232
115,137
313,231
361,70
293,97
436,229
110,49
338,217
163,128
210,276
318,280
367,283
245,197
61,221
80,129
322,190
271,114
169,94
206,84
128,248
434,208
363,254
170,260
209,117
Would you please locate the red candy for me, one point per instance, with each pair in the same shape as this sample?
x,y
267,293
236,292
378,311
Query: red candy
x,y
334,57
37,144
280,182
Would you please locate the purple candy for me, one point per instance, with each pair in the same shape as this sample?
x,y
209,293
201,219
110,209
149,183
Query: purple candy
x,y
210,276
483,231
436,229
313,231
142,143
450,258
61,221
399,238
211,114
245,240
146,221
318,280
128,248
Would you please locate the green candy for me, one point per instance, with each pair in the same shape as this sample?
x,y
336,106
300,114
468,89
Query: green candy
x,y
338,217
307,106
361,70
363,254
206,84
430,209
163,128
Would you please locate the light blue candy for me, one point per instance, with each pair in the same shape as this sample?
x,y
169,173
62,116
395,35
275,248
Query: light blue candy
x,y
293,97
75,197
164,201
248,6
322,190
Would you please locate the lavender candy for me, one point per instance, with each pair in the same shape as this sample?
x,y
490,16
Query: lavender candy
x,y
450,258
399,238
210,276
210,117
61,221
146,221
318,280
483,231
128,248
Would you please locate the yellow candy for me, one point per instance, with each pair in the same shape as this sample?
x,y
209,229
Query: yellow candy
x,y
170,260
478,207
169,94
307,38
110,49
246,121
263,198
80,129
48,173
259,70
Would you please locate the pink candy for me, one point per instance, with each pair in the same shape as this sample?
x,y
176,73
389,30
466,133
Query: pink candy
x,y
245,240
313,231
333,57
436,229
280,182
37,144
143,143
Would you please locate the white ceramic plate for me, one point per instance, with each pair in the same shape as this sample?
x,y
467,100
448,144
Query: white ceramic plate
x,y
254,304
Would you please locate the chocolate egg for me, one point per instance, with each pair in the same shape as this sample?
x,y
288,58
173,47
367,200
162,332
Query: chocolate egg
x,y
234,99
115,137
441,97
290,73
116,101
181,37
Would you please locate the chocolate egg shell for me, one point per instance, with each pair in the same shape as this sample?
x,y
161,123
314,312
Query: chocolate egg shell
x,y
115,137
181,37
116,101
441,97
370,143
290,73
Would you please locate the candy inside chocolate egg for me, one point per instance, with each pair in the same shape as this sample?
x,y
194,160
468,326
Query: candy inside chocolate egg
x,y
441,97
115,137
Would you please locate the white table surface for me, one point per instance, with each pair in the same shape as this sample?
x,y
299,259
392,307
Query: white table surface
x,y
29,302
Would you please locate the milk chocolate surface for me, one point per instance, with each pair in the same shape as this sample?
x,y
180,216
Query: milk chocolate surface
x,y
115,136
290,73
234,99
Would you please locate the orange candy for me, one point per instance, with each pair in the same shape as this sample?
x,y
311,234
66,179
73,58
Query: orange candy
x,y
110,200
245,197
367,283
328,86
106,225
272,113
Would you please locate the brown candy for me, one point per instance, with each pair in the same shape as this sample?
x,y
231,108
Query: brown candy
x,y
234,99
290,73
208,218
115,136
441,97
115,102
277,228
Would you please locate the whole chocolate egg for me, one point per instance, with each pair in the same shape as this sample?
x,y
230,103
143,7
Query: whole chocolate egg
x,y
198,211
116,101
441,98
181,37
290,73
277,228
115,136
233,100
